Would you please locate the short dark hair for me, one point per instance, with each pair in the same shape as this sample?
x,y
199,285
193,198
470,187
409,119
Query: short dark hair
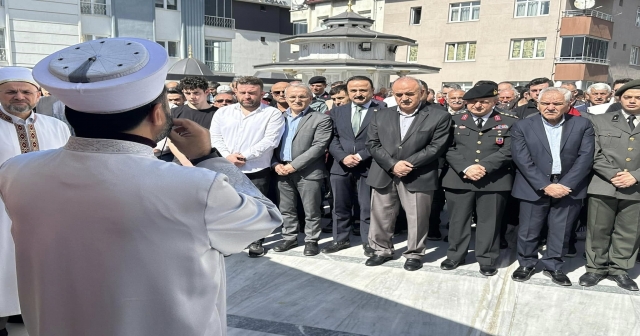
x,y
250,80
96,125
175,91
360,78
621,81
541,80
193,83
337,83
432,91
213,85
480,82
424,84
522,89
338,89
580,92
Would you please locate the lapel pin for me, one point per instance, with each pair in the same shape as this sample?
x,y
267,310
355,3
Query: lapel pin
x,y
615,118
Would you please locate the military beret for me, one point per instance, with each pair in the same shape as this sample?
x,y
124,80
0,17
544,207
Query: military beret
x,y
634,84
317,79
481,91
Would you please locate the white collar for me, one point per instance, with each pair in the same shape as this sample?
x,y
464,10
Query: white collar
x,y
364,106
107,146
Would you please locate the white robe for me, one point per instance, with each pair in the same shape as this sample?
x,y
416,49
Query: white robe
x,y
51,133
124,244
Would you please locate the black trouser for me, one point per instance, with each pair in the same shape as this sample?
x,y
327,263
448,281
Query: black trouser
x,y
261,179
349,190
439,201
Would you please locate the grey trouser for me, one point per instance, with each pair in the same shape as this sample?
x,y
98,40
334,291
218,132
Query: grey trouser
x,y
289,187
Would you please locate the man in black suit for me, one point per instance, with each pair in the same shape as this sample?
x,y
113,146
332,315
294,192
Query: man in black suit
x,y
405,143
536,85
553,152
351,162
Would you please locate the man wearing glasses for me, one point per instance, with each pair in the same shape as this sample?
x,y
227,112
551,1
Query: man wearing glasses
x,y
223,99
279,101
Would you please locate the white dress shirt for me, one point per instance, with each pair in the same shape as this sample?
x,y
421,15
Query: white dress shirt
x,y
390,101
255,135
626,118
406,120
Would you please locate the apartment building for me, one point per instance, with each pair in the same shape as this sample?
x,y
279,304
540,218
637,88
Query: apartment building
x,y
517,40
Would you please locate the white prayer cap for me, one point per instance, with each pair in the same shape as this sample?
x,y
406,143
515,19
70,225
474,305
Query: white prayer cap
x,y
105,76
224,89
17,74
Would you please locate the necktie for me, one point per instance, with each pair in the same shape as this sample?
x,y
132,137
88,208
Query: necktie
x,y
479,122
355,119
632,125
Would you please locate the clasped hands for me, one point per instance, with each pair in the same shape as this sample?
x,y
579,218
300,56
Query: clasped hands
x,y
284,170
475,172
351,160
556,190
402,168
237,159
623,180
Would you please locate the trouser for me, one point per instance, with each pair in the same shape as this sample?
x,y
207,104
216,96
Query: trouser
x,y
613,230
347,188
310,193
261,179
559,213
3,322
437,205
385,205
489,207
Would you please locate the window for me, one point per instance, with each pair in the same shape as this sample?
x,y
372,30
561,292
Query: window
x,y
299,27
620,3
416,15
3,50
638,17
461,51
366,14
171,46
531,8
635,56
87,37
217,55
624,47
464,11
412,55
528,48
581,48
615,45
95,7
167,4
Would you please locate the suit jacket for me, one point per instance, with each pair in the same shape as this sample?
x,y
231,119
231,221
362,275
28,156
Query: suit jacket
x,y
426,140
345,143
616,151
532,155
489,146
310,143
526,110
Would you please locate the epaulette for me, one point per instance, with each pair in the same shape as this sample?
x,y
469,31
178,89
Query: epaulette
x,y
509,115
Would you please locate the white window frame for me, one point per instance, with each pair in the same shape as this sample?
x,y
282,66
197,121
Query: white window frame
x,y
164,6
455,51
412,17
459,6
165,44
526,2
95,8
300,22
634,58
535,48
409,60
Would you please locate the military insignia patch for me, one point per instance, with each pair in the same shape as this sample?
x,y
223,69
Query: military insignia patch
x,y
465,117
499,140
501,127
497,118
462,127
615,118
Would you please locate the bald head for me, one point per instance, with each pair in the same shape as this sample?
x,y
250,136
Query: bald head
x,y
408,93
277,90
171,85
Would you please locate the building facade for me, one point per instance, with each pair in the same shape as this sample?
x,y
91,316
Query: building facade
x,y
518,40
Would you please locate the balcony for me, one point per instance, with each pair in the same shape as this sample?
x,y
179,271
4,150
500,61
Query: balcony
x,y
588,12
582,59
87,7
217,67
586,23
220,22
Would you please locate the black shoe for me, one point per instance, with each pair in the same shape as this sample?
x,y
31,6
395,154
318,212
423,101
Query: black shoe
x,y
286,245
434,236
336,246
449,264
15,319
488,270
311,249
412,265
256,249
558,277
368,251
355,230
638,259
4,332
377,260
504,244
522,273
572,252
328,228
445,239
624,282
591,279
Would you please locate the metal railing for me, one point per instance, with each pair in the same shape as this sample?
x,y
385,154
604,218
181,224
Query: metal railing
x,y
216,21
588,12
3,53
582,59
220,67
87,7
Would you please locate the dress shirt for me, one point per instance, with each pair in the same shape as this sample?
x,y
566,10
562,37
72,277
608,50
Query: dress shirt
x,y
254,136
626,118
554,136
390,101
405,121
291,126
363,112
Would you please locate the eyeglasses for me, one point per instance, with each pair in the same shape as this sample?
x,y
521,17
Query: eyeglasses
x,y
277,92
224,101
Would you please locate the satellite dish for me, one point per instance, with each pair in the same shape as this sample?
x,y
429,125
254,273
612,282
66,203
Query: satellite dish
x,y
298,4
584,4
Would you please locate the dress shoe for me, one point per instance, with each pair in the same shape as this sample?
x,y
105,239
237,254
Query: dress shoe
x,y
377,260
449,265
434,236
591,279
412,265
368,251
4,332
558,277
624,282
522,273
336,246
311,249
445,239
286,245
504,244
328,228
488,270
572,252
256,250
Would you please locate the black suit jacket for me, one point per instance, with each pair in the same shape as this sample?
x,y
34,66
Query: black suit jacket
x,y
532,155
345,143
426,141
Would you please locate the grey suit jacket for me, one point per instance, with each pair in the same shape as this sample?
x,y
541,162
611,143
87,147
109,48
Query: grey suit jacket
x,y
617,149
425,142
310,143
